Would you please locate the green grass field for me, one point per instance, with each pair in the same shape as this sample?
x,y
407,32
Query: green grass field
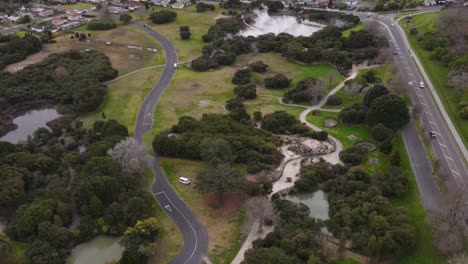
x,y
356,28
78,6
17,250
198,23
436,71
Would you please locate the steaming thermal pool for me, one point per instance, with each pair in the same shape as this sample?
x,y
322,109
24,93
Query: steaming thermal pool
x,y
264,23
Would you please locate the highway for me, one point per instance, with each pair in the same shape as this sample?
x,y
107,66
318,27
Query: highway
x,y
444,145
193,231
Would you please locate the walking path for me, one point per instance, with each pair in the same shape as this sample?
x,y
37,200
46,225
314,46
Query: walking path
x,y
280,184
130,73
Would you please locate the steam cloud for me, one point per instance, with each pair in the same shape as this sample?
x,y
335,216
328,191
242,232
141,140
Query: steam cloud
x,y
264,23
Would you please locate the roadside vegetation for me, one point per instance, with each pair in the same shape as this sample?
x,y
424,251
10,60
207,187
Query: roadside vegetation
x,y
435,39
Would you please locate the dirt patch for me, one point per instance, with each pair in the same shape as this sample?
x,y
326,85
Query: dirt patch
x,y
194,87
232,203
204,103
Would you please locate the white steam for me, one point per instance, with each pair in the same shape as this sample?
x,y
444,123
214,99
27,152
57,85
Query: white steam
x,y
264,23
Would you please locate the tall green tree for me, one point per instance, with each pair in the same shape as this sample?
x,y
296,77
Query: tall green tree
x,y
390,110
216,151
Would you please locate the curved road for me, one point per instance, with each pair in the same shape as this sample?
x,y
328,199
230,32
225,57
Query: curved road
x,y
193,231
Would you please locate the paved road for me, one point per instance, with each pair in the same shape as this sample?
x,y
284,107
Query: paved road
x,y
443,145
193,231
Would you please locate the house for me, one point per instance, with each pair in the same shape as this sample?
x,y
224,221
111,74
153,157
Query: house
x,y
70,25
37,28
117,10
46,13
132,5
74,17
13,18
178,6
58,21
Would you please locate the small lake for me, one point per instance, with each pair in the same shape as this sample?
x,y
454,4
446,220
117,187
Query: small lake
x,y
28,122
317,203
99,250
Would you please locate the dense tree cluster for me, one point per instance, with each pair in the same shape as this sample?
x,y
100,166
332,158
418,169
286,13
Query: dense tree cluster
x,y
101,24
71,79
14,48
163,16
281,122
255,147
44,179
258,66
203,7
278,81
360,208
247,91
272,6
331,18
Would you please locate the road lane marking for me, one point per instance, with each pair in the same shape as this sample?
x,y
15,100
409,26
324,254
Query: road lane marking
x,y
456,172
168,208
159,193
442,145
432,122
449,158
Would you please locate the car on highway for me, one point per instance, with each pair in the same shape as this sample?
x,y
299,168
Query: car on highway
x,y
421,85
175,65
395,52
432,134
393,25
184,180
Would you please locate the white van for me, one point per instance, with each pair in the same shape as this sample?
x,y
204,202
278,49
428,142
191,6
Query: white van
x,y
184,180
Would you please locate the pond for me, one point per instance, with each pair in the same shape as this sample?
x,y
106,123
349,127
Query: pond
x,y
264,23
29,121
317,203
99,250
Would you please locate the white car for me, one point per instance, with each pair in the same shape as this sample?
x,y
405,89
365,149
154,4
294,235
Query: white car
x,y
184,180
421,85
175,65
393,25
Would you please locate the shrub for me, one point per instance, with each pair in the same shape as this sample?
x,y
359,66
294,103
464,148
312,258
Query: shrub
x,y
279,81
353,156
203,64
334,100
374,93
281,122
241,76
380,132
101,25
257,116
203,7
125,18
163,17
318,135
386,146
355,114
413,31
234,104
258,66
464,113
185,35
247,91
395,159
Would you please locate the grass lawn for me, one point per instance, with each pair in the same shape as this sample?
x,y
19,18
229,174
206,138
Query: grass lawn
x,y
124,98
198,23
78,6
224,229
17,250
356,28
436,71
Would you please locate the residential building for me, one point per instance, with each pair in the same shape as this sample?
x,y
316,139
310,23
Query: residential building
x,y
70,25
117,10
46,13
74,17
58,21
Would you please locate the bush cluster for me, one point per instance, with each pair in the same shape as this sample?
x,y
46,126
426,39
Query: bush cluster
x,y
101,25
279,81
14,48
163,16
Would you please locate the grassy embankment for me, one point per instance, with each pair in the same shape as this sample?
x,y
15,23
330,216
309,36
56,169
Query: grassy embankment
x,y
125,95
411,201
437,72
356,28
17,250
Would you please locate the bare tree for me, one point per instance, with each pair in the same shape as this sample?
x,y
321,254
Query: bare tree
x,y
383,56
453,22
458,78
461,258
258,209
104,14
449,224
131,155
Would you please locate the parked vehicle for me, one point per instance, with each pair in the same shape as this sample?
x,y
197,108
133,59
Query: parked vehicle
x,y
184,180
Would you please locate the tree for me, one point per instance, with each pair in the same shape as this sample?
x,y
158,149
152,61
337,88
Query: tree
x,y
184,32
395,159
307,90
104,14
131,155
259,208
241,76
258,66
331,79
448,224
11,185
257,116
271,255
386,146
216,151
41,252
139,239
279,81
452,23
460,258
163,17
380,132
390,110
280,122
373,93
203,7
23,20
219,179
247,91
125,18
